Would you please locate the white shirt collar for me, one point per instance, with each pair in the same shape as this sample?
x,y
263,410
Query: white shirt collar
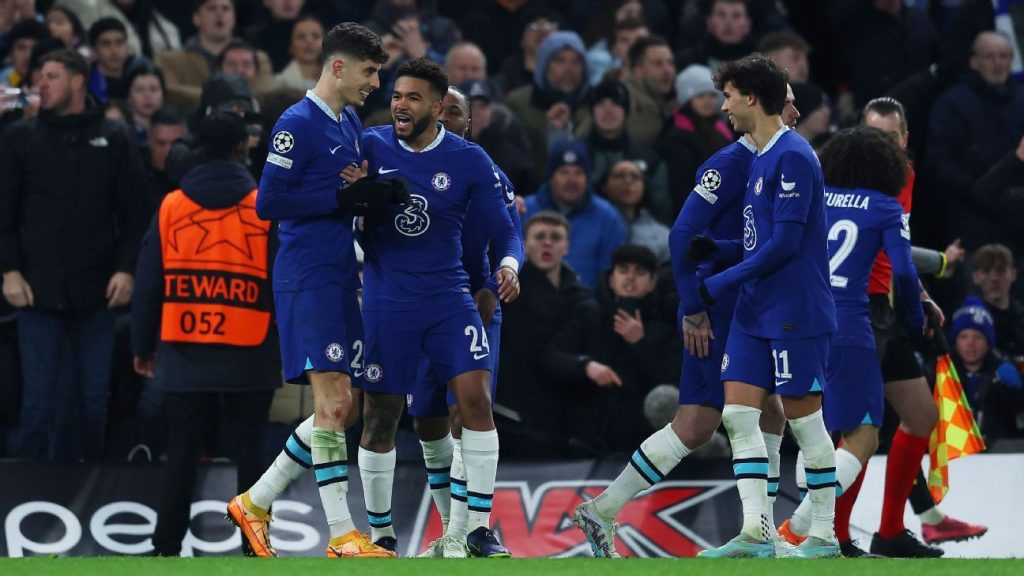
x,y
748,144
434,144
774,139
322,105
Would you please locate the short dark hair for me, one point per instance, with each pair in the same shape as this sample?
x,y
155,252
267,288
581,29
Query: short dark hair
x,y
759,75
887,106
635,254
238,45
783,39
30,29
166,117
425,70
146,69
469,104
992,257
104,25
197,4
864,157
74,62
639,48
547,217
355,40
42,48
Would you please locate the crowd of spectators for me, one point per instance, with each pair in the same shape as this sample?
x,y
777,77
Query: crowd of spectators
x,y
599,111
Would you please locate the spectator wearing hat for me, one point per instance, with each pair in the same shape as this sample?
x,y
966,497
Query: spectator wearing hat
x,y
497,130
21,39
608,142
556,102
214,354
652,72
696,130
72,214
113,60
609,361
597,228
992,384
815,121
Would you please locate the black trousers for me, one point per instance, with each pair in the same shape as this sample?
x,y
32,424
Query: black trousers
x,y
243,423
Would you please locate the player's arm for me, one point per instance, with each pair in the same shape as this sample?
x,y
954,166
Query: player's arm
x,y
696,215
789,215
496,220
896,240
281,194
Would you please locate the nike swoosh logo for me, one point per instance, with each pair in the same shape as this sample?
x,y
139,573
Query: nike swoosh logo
x,y
335,149
480,356
787,186
381,170
781,383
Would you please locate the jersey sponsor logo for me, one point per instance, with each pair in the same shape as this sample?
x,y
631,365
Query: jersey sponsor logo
x,y
749,230
381,170
905,230
281,161
725,362
414,220
374,373
787,186
535,517
335,149
758,185
284,142
711,180
441,181
334,352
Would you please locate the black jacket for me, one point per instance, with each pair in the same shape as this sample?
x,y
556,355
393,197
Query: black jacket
x,y
1000,196
72,206
185,367
528,325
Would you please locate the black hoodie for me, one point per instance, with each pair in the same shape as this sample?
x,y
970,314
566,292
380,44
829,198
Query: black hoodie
x,y
201,367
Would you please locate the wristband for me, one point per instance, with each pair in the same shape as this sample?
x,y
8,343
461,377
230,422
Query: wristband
x,y
943,266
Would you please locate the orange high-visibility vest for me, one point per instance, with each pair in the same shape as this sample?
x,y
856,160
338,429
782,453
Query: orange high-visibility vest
x,y
216,286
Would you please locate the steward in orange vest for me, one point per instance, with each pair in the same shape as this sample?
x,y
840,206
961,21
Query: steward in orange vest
x,y
202,320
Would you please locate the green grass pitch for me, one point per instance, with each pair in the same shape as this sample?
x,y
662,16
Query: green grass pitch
x,y
117,566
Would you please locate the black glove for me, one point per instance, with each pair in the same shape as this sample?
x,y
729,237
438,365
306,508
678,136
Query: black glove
x,y
368,196
701,248
704,294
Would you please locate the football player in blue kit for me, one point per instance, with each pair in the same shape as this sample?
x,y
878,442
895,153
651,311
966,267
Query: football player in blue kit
x,y
416,297
315,279
779,337
714,209
864,171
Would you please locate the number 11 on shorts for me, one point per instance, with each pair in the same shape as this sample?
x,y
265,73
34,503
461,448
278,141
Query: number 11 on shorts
x,y
781,358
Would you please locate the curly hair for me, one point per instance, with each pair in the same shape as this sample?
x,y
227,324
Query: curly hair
x,y
426,70
354,40
864,157
759,75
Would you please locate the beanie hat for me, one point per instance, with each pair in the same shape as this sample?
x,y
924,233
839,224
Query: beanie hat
x,y
975,315
612,89
568,152
693,81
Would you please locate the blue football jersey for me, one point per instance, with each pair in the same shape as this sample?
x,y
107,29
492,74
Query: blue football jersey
x,y
309,147
795,300
413,253
862,222
477,241
713,209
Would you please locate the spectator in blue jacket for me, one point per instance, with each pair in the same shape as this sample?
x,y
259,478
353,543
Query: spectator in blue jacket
x,y
597,228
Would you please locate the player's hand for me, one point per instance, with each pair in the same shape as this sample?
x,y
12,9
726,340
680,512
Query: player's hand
x,y
508,284
365,197
407,31
705,294
119,289
697,334
558,116
17,292
352,172
486,303
955,254
521,205
631,328
701,248
931,310
145,366
602,375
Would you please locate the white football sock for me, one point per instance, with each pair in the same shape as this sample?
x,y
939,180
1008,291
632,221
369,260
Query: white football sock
x,y
330,464
655,458
437,456
377,472
750,466
480,457
295,459
820,456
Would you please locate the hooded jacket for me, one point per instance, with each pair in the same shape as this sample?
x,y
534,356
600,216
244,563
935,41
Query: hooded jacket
x,y
73,206
186,367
